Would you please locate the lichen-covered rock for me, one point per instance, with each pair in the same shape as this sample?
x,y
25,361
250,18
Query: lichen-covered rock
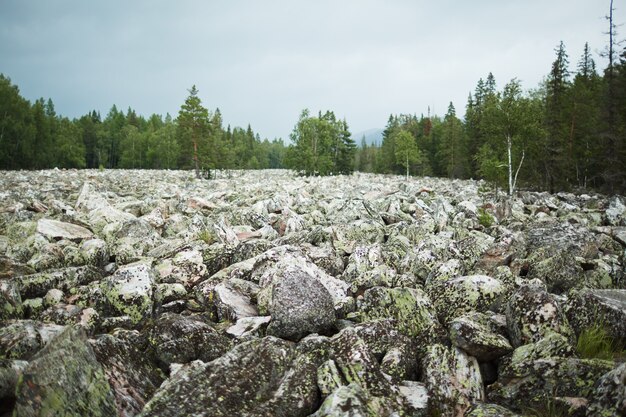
x,y
355,363
353,401
554,254
453,380
10,373
21,339
131,375
55,230
615,213
532,313
66,314
180,339
490,410
587,308
232,304
532,383
10,300
473,334
551,345
464,294
300,305
37,285
410,308
65,378
249,327
241,382
130,291
94,252
186,267
608,398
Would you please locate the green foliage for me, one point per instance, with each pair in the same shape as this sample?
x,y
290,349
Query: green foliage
x,y
321,145
484,218
549,409
595,342
207,236
406,151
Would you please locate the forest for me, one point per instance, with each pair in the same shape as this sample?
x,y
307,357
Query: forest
x,y
569,133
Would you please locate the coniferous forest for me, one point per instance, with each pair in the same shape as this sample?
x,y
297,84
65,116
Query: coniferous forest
x,y
569,133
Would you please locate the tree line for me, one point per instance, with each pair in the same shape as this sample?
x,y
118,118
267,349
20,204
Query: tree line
x,y
34,136
568,133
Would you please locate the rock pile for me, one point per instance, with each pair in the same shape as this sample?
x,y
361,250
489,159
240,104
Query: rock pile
x,y
151,293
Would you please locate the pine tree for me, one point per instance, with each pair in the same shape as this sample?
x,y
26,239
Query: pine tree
x,y
193,121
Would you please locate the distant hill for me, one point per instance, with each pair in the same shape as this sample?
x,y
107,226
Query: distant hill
x,y
372,136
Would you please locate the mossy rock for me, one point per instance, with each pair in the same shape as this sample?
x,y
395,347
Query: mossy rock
x,y
65,379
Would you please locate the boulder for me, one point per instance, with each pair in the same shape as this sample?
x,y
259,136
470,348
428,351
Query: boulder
x,y
21,339
10,300
56,230
244,381
453,380
532,313
532,384
65,378
131,375
231,304
608,397
300,305
587,308
464,294
37,285
129,291
180,339
473,334
410,308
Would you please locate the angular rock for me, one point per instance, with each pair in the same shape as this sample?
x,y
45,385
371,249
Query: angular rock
x,y
532,383
587,308
37,285
453,380
10,300
300,305
54,229
249,327
65,377
132,377
21,339
66,314
129,291
490,410
410,308
464,294
472,334
532,313
239,383
232,304
608,397
179,339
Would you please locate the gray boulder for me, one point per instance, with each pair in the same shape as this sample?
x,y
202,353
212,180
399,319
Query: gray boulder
x,y
300,305
130,292
453,380
532,313
608,397
56,230
179,339
65,378
131,375
473,334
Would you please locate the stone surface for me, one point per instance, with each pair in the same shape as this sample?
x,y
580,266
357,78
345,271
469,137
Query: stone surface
x,y
54,229
300,305
178,281
65,378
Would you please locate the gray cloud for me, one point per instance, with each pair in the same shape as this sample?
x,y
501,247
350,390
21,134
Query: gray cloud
x,y
263,62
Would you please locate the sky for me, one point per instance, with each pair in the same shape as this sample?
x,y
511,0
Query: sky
x,y
263,62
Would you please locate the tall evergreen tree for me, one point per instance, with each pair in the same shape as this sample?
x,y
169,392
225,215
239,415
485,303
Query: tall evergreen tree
x,y
193,120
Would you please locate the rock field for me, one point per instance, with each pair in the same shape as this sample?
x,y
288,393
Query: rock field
x,y
260,293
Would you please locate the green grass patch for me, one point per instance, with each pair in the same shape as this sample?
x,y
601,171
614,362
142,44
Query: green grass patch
x,y
485,219
207,237
595,342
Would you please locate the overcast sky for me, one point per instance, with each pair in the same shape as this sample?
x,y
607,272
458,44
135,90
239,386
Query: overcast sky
x,y
262,62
